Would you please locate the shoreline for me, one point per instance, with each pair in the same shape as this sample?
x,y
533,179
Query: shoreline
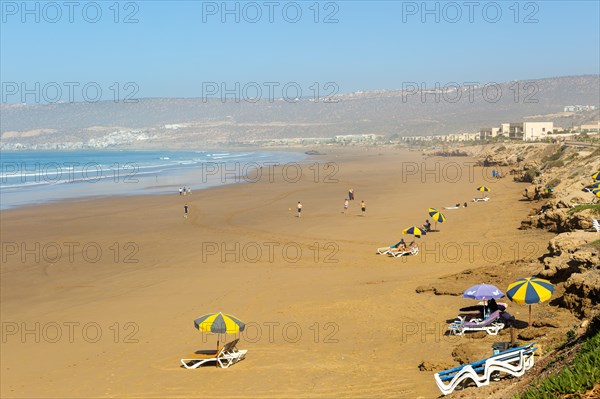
x,y
173,177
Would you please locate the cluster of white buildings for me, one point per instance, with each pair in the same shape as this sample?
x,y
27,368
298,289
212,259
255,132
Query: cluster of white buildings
x,y
579,108
346,139
526,131
356,138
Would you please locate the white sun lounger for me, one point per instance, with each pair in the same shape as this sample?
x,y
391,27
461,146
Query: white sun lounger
x,y
385,250
227,356
484,199
492,325
512,362
407,251
596,224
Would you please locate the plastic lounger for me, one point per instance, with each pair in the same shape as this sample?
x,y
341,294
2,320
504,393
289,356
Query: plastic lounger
x,y
514,362
492,325
407,251
227,356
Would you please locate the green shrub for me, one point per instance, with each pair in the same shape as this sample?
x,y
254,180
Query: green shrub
x,y
594,207
555,164
531,174
578,377
556,156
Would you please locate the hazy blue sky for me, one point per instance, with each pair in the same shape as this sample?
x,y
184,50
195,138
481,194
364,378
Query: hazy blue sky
x,y
175,47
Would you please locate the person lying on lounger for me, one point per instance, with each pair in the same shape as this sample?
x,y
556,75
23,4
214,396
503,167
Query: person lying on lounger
x,y
407,249
399,246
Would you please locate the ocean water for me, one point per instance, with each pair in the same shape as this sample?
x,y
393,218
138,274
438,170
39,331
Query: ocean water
x,y
29,178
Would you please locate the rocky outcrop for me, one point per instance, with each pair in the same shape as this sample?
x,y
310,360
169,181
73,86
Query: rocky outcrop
x,y
582,291
556,218
573,259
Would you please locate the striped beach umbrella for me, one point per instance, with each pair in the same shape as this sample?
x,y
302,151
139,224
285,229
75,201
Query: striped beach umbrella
x,y
436,216
219,323
414,230
483,189
596,185
530,290
596,176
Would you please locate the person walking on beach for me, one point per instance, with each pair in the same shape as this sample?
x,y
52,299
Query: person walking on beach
x,y
299,207
351,194
363,207
180,190
185,211
345,205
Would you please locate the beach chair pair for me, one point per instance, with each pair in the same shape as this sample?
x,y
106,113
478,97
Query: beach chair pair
x,y
227,356
483,199
398,252
492,324
512,362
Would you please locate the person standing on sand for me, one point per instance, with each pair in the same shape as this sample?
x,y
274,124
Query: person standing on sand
x,y
345,205
363,207
180,191
299,207
185,211
351,194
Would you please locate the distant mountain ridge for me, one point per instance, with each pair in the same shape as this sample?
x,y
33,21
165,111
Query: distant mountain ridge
x,y
413,111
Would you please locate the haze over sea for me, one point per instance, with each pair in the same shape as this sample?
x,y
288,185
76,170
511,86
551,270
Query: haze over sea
x,y
37,177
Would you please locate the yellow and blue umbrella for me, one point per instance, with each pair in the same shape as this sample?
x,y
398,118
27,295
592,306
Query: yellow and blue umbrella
x,y
219,323
414,230
436,216
530,290
596,176
483,188
596,185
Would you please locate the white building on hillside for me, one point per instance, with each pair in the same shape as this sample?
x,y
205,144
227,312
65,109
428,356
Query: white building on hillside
x,y
533,131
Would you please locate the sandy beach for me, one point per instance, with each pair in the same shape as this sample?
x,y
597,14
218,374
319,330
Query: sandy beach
x,y
98,297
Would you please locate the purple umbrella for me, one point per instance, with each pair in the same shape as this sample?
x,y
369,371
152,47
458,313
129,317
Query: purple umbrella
x,y
483,292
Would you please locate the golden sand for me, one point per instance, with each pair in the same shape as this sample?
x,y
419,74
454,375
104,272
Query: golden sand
x,y
326,316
